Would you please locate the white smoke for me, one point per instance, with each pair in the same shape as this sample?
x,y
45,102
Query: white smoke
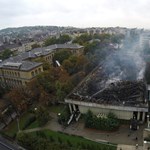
x,y
125,64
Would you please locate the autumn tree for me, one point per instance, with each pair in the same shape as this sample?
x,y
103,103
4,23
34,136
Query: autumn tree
x,y
34,89
17,98
44,98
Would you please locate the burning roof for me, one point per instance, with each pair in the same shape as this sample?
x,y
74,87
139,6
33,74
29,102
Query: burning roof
x,y
118,80
99,88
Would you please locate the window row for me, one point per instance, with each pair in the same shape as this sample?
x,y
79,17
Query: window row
x,y
13,81
12,73
49,58
37,71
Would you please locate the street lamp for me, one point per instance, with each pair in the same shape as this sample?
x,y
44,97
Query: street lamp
x,y
18,124
148,125
145,142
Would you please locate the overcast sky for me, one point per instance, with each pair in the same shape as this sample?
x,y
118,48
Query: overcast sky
x,y
78,13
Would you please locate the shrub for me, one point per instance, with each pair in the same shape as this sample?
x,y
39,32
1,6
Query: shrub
x,y
110,123
64,117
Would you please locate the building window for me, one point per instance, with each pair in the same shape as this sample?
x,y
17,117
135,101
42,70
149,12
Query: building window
x,y
20,82
39,70
18,74
32,73
36,72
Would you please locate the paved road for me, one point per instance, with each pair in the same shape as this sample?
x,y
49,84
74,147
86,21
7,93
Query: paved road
x,y
6,145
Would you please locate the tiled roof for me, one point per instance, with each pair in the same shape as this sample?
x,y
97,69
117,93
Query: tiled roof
x,y
27,65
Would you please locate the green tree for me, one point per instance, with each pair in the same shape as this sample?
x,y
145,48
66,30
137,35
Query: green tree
x,y
42,116
36,45
59,91
75,64
26,140
61,55
61,40
90,47
89,119
50,41
64,38
47,80
6,54
46,65
82,39
68,65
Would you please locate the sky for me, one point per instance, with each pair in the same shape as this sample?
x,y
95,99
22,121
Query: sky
x,y
77,13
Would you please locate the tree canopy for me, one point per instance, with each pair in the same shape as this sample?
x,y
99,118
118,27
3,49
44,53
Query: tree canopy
x,y
61,55
61,40
6,54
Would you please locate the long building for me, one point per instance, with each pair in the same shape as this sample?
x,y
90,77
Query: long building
x,y
126,99
21,69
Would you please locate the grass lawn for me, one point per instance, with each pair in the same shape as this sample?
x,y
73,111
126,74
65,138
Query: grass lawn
x,y
56,108
33,125
75,141
12,129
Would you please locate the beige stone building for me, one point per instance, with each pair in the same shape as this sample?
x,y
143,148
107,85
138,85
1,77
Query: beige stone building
x,y
21,69
19,73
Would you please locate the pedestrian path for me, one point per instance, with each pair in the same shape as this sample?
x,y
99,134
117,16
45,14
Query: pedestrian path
x,y
124,137
128,147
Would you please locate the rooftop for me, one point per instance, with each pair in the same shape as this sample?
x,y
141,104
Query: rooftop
x,y
98,88
20,61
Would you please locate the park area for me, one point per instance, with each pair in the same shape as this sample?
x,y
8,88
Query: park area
x,y
63,141
27,130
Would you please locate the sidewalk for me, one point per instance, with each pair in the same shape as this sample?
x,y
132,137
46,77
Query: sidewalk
x,y
128,147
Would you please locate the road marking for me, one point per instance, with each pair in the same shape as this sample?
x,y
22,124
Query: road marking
x,y
6,146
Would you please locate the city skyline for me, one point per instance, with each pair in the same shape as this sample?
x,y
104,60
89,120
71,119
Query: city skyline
x,y
96,13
